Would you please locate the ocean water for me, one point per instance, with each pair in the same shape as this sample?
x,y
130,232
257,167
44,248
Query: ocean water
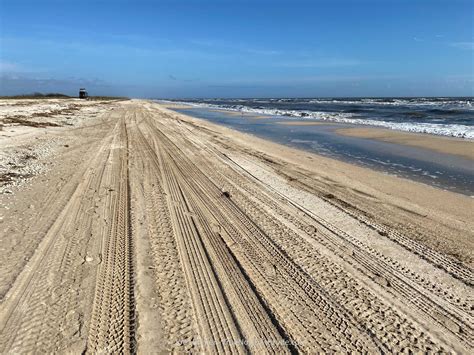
x,y
440,115
440,170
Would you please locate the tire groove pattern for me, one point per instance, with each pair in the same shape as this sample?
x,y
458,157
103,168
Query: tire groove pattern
x,y
55,315
444,262
233,183
329,236
305,295
218,331
177,315
447,314
112,322
454,314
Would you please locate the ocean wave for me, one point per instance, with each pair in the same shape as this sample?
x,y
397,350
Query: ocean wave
x,y
466,104
452,130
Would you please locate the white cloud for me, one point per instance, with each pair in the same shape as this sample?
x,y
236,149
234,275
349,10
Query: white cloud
x,y
463,45
238,47
11,84
319,63
8,67
262,51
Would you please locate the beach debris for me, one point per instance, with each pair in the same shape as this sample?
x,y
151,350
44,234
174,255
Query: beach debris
x,y
382,281
270,269
216,228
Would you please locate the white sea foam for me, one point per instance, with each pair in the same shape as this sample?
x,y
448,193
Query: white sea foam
x,y
419,102
439,102
453,130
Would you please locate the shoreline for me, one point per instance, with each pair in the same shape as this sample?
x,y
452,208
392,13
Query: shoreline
x,y
434,167
447,145
463,147
443,118
407,199
303,123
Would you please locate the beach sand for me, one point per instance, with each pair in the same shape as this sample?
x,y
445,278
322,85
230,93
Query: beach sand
x,y
447,145
151,231
260,117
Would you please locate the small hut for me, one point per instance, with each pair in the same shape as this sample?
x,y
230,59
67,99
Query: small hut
x,y
83,93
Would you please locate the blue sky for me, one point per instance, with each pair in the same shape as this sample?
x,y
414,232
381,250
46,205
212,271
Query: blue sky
x,y
238,48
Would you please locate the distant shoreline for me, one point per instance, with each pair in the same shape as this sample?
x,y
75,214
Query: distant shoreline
x,y
439,116
447,145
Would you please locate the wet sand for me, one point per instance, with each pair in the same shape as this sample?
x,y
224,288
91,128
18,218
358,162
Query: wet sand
x,y
447,145
303,123
445,171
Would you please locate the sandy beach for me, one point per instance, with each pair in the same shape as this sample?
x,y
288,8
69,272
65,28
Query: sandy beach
x,y
448,145
128,227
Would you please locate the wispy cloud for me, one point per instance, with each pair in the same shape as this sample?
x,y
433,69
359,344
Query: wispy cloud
x,y
306,80
440,40
234,86
262,51
41,80
238,47
22,83
463,45
174,78
116,48
6,67
203,42
319,63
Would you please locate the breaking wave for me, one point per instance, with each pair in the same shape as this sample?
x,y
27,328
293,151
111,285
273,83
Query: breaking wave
x,y
442,129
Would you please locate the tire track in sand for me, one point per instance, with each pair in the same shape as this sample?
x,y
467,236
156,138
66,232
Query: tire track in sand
x,y
314,322
452,314
259,334
337,242
177,316
48,307
112,327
